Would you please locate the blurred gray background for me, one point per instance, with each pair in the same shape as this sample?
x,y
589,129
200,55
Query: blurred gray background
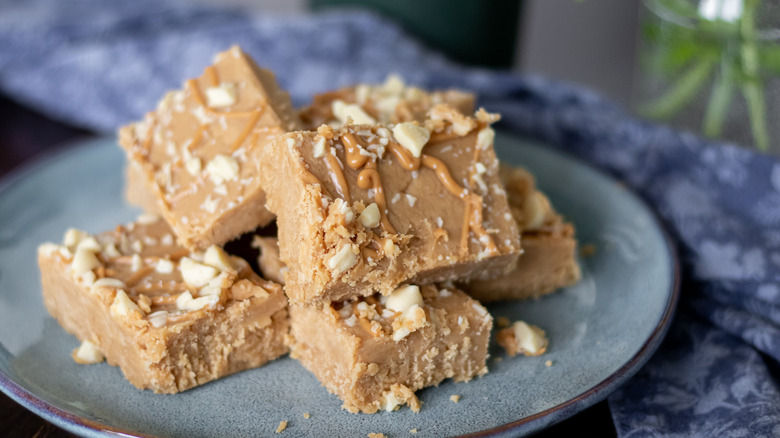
x,y
589,42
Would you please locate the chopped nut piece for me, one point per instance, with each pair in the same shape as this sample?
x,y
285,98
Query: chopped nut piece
x,y
413,431
522,338
370,217
282,426
411,136
454,398
195,273
218,258
536,209
503,322
83,261
377,435
306,415
344,259
485,138
222,96
319,148
548,363
88,353
403,298
346,112
123,305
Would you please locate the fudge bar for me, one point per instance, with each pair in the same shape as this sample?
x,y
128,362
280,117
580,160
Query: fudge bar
x,y
390,102
171,319
363,208
549,259
375,352
195,158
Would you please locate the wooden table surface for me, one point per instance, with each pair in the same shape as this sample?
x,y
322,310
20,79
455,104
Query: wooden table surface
x,y
25,135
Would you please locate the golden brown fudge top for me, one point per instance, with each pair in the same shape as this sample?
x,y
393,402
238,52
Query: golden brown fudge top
x,y
428,190
202,144
147,278
390,102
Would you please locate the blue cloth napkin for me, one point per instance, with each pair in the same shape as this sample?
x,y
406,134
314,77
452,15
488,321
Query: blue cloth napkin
x,y
100,64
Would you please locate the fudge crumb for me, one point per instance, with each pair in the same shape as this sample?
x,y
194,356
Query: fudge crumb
x,y
587,250
548,363
503,322
282,426
306,414
377,435
455,398
413,430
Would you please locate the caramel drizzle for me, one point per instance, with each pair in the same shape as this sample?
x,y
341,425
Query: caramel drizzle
x,y
337,175
472,216
368,178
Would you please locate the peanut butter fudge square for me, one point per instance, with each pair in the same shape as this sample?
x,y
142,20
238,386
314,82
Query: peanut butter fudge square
x,y
390,102
364,208
375,352
171,319
195,158
549,259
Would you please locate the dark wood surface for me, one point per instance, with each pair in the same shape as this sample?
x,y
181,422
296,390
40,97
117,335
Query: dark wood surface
x,y
25,135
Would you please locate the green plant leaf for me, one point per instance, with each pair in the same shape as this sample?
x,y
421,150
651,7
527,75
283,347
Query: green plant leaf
x,y
720,98
680,94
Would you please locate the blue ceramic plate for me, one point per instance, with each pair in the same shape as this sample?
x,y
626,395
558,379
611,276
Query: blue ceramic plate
x,y
601,331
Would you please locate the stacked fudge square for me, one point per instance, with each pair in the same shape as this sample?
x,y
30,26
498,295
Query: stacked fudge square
x,y
389,202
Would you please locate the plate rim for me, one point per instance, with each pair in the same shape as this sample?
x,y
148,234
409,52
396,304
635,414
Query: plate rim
x,y
86,427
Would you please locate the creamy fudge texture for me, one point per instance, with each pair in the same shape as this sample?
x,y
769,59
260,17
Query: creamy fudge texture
x,y
390,102
365,208
198,154
549,259
375,352
171,319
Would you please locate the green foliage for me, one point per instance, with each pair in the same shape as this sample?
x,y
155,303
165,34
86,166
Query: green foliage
x,y
689,53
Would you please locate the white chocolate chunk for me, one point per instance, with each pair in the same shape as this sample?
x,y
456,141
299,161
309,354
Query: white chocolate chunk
x,y
343,260
345,112
88,353
222,168
218,258
136,262
123,305
411,136
111,251
222,96
403,298
485,138
196,274
530,339
370,217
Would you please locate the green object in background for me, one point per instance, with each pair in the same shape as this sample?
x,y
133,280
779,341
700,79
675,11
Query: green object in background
x,y
710,56
473,32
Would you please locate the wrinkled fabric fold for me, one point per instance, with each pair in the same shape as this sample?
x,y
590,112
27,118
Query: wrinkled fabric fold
x,y
101,64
